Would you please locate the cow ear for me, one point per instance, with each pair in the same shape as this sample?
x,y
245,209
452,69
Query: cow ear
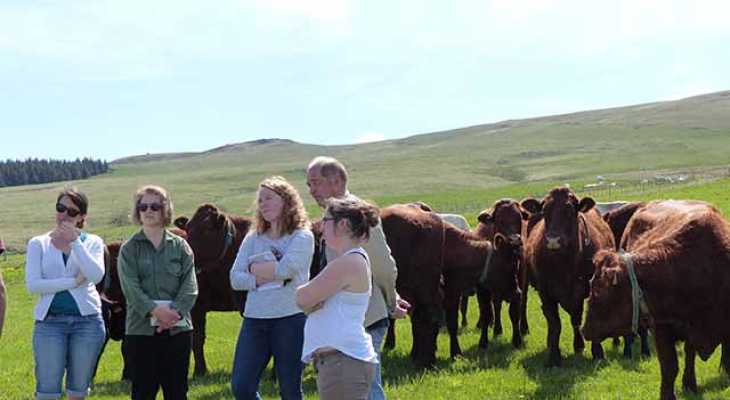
x,y
484,217
607,216
181,222
221,219
500,241
531,205
586,204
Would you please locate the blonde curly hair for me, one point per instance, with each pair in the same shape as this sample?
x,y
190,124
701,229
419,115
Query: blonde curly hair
x,y
294,215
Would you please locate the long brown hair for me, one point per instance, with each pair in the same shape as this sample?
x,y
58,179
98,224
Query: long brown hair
x,y
294,215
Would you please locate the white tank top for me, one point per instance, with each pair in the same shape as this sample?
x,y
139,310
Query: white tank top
x,y
339,324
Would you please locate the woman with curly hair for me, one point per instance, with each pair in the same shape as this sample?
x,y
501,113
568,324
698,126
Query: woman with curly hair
x,y
272,262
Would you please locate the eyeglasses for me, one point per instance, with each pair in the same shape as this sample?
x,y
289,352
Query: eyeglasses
x,y
71,212
154,206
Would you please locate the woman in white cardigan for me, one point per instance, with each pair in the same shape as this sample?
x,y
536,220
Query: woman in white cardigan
x,y
62,266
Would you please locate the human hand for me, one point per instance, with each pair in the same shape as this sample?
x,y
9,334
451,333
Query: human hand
x,y
80,278
401,308
166,317
314,308
262,281
67,231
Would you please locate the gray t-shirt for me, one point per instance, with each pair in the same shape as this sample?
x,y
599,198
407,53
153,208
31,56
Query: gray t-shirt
x,y
296,252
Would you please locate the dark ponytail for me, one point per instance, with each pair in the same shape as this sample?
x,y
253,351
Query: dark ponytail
x,y
360,215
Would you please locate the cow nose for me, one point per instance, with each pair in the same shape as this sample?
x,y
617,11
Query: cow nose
x,y
553,243
515,239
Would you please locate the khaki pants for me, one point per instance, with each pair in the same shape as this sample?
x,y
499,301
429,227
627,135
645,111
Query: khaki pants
x,y
341,377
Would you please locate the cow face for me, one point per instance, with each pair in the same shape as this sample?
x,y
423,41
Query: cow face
x,y
609,304
505,217
209,235
506,261
508,218
560,211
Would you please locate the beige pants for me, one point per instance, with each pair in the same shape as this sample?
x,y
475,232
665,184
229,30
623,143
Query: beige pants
x,y
341,377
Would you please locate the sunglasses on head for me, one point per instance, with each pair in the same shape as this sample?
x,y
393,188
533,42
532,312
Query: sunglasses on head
x,y
154,206
61,208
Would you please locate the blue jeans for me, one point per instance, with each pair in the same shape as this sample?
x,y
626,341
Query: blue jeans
x,y
377,331
70,344
259,340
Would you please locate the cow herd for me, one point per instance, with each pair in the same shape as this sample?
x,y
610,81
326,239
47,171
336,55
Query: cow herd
x,y
662,266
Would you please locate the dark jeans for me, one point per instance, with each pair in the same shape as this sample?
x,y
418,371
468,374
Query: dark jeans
x,y
160,360
259,340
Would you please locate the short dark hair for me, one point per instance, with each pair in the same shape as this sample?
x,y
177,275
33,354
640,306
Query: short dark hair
x,y
359,214
79,198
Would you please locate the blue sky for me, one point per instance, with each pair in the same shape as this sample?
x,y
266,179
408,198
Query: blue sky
x,y
109,79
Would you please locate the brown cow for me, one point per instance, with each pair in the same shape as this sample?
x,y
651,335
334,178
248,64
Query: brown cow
x,y
508,218
215,237
617,218
427,249
678,253
559,253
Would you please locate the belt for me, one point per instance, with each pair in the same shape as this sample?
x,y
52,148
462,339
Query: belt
x,y
321,355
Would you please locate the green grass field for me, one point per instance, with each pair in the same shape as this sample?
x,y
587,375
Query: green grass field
x,y
463,170
503,373
460,170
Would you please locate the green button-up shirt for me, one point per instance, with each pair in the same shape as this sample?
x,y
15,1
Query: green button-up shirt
x,y
148,274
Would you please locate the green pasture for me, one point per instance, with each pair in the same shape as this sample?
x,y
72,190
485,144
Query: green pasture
x,y
501,373
461,170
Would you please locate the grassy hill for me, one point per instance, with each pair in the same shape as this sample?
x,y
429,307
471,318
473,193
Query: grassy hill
x,y
476,164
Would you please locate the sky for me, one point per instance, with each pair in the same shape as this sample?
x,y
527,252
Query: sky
x,y
109,79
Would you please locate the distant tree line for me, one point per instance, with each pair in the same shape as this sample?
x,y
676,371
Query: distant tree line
x,y
33,170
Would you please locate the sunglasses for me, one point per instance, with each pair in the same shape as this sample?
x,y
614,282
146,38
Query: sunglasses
x,y
154,206
71,212
325,219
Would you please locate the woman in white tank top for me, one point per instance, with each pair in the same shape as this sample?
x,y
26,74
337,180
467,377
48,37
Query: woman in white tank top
x,y
336,301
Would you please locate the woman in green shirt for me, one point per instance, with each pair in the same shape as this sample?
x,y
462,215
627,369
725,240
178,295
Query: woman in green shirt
x,y
158,280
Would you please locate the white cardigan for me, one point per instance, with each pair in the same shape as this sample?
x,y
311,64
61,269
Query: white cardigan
x,y
46,274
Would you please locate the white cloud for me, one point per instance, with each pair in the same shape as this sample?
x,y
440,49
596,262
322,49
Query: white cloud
x,y
368,137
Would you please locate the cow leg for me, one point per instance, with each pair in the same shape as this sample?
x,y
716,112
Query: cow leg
x,y
725,358
550,310
464,310
497,317
575,319
628,344
485,316
452,324
667,355
644,335
524,326
415,333
390,336
430,347
689,378
514,315
199,319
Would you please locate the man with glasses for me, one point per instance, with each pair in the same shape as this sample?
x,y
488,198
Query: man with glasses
x,y
326,178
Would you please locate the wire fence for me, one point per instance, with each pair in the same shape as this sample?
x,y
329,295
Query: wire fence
x,y
603,190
